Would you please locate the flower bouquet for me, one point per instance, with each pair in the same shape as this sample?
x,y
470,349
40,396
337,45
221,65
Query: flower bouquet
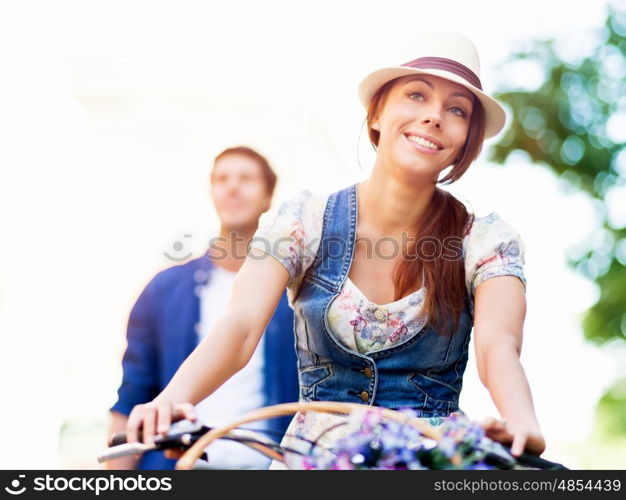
x,y
378,443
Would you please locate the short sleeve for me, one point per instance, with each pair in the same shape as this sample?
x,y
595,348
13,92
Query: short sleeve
x,y
492,248
291,234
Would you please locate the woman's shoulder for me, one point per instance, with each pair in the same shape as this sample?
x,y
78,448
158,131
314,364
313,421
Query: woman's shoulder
x,y
491,227
304,202
291,233
302,208
493,247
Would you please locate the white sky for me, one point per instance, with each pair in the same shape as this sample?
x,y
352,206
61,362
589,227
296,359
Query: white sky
x,y
109,115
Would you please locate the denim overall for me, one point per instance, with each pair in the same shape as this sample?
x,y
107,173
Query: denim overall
x,y
424,372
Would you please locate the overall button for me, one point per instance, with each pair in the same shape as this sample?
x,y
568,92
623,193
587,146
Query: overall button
x,y
379,314
367,372
365,396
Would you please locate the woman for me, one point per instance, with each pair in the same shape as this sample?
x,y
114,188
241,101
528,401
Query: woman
x,y
386,277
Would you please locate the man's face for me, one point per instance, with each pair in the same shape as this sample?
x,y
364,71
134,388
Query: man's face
x,y
239,192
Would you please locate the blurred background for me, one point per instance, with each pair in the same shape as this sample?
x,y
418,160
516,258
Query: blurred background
x,y
110,115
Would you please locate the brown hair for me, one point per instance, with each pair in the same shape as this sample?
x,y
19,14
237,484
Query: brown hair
x,y
445,219
266,171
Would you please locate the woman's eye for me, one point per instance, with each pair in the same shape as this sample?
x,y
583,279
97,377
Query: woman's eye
x,y
416,95
457,111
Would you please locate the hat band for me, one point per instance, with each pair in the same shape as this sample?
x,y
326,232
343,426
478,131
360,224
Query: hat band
x,y
446,65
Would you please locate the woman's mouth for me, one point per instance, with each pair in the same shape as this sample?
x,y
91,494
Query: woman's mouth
x,y
423,144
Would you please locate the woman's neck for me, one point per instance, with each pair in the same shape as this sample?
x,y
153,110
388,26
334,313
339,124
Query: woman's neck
x,y
389,205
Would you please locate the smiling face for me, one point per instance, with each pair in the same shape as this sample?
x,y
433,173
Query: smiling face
x,y
239,192
423,122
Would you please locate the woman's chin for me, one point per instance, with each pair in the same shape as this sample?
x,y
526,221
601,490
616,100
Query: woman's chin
x,y
420,170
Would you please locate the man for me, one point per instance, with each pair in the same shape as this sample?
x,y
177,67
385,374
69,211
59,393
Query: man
x,y
179,306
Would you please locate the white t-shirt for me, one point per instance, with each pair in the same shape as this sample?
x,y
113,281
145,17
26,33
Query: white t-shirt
x,y
241,393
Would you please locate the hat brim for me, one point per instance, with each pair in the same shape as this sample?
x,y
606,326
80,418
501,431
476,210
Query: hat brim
x,y
495,116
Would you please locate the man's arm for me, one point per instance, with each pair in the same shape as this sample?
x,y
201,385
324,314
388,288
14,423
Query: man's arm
x,y
139,365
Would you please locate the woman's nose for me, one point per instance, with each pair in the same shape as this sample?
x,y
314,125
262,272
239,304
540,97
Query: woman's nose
x,y
432,114
432,118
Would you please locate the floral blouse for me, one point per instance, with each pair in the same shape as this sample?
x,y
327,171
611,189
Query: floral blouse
x,y
292,235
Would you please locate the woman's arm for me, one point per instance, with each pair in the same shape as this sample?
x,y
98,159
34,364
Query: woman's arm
x,y
499,311
225,350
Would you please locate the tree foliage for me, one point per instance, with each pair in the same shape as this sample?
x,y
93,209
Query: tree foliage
x,y
567,125
574,124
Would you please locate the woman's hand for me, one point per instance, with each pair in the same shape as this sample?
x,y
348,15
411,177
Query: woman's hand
x,y
156,417
520,437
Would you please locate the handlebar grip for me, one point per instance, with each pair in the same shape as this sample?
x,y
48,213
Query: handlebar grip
x,y
529,460
120,438
177,429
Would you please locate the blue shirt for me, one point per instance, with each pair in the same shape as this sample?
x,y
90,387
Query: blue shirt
x,y
162,332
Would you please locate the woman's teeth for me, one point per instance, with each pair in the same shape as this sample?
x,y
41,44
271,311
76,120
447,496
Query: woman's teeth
x,y
423,142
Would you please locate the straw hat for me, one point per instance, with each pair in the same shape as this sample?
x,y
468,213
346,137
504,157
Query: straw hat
x,y
447,55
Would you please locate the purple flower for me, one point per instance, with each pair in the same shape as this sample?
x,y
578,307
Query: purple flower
x,y
378,444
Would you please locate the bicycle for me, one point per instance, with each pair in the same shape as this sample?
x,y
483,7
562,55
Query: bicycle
x,y
416,444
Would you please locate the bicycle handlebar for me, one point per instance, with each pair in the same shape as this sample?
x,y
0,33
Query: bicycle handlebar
x,y
184,433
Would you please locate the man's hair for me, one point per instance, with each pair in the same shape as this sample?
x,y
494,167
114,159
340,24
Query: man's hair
x,y
266,171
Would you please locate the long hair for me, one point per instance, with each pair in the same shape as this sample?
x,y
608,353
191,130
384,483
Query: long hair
x,y
442,229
